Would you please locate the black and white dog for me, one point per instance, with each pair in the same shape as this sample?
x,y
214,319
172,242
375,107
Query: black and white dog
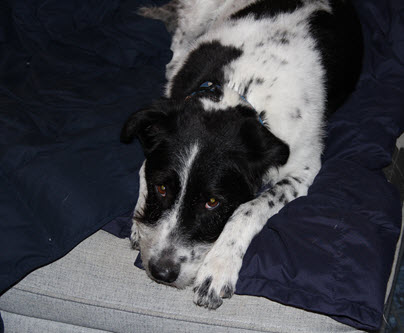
x,y
239,133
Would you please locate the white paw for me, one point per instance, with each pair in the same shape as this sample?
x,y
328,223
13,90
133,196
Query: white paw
x,y
216,279
134,237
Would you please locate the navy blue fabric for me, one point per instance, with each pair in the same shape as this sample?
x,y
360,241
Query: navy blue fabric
x,y
71,72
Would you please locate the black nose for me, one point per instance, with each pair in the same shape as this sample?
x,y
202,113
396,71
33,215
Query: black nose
x,y
164,270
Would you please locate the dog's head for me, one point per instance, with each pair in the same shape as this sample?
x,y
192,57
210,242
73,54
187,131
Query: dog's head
x,y
200,166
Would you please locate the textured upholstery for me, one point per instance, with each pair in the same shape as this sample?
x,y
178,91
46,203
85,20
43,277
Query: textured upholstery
x,y
88,288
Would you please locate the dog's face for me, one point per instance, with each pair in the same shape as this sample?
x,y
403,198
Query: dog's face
x,y
200,166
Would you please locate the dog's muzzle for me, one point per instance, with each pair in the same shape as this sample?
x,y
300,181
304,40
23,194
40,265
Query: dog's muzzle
x,y
164,270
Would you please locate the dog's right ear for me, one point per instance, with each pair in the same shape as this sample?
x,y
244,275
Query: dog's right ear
x,y
148,125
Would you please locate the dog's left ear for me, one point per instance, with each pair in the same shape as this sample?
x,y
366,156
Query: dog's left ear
x,y
263,148
148,125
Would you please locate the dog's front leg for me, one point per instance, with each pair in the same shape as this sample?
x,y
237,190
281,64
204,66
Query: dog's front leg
x,y
217,277
134,236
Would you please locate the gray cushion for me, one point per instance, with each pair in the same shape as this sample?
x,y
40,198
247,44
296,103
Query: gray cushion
x,y
96,286
16,323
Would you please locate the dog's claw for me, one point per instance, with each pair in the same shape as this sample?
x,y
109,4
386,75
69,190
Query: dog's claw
x,y
134,238
206,296
227,291
134,244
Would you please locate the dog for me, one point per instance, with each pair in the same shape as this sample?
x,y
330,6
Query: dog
x,y
239,132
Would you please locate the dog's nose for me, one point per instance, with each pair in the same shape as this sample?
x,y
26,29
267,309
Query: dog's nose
x,y
164,270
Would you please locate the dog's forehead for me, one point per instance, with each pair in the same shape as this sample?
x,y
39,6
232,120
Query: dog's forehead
x,y
193,118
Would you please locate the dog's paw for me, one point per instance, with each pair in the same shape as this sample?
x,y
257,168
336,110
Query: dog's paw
x,y
216,280
134,237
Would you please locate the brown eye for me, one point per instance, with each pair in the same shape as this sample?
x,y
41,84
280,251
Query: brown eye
x,y
162,190
212,204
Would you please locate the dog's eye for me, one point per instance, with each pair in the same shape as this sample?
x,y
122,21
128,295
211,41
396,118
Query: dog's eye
x,y
162,190
212,204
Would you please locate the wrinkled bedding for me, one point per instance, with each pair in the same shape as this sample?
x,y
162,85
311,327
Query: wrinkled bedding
x,y
71,73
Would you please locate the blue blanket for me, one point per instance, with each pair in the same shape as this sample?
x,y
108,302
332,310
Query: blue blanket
x,y
70,74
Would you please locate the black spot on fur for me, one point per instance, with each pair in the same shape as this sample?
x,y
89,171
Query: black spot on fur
x,y
272,192
248,213
280,37
203,64
271,204
284,182
264,8
204,288
231,243
247,87
295,194
259,80
260,44
298,180
273,81
297,114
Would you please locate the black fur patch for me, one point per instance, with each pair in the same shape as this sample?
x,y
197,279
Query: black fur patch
x,y
282,198
227,291
264,8
247,87
204,287
280,37
203,64
259,80
284,182
339,39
